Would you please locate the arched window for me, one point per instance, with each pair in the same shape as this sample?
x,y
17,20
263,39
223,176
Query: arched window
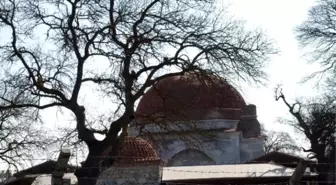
x,y
190,157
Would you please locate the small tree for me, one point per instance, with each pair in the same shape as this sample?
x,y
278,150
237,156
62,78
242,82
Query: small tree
x,y
53,41
279,141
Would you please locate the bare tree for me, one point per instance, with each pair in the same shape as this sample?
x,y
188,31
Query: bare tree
x,y
317,122
319,33
20,139
279,141
52,42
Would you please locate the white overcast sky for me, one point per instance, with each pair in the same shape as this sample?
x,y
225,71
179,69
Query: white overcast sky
x,y
279,19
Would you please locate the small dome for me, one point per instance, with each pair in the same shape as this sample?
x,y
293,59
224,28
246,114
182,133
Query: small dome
x,y
135,150
191,96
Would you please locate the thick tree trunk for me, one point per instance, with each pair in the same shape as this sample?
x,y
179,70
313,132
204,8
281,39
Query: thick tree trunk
x,y
90,169
98,159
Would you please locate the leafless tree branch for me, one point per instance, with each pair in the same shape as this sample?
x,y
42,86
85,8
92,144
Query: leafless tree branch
x,y
52,43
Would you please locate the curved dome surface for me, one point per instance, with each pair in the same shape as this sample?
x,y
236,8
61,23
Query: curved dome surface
x,y
135,150
190,97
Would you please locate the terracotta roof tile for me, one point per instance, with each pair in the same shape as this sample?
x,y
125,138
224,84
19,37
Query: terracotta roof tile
x,y
135,150
190,97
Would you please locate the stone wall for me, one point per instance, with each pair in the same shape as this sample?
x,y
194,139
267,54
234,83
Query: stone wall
x,y
139,174
190,157
45,179
223,148
251,148
249,123
199,125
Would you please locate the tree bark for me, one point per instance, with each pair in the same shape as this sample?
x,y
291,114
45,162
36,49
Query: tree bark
x,y
98,158
89,172
96,162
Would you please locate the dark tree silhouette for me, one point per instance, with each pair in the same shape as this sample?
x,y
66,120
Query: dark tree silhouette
x,y
279,141
318,33
52,42
20,138
317,122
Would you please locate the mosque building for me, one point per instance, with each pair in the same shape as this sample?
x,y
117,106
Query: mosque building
x,y
194,129
202,110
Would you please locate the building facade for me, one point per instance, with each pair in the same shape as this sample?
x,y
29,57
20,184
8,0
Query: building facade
x,y
198,119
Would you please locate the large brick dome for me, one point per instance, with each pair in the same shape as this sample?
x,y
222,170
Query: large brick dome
x,y
190,97
135,150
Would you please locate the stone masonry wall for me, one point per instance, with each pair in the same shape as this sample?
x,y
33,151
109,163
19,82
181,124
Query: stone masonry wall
x,y
226,148
190,157
251,148
222,149
202,124
139,174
